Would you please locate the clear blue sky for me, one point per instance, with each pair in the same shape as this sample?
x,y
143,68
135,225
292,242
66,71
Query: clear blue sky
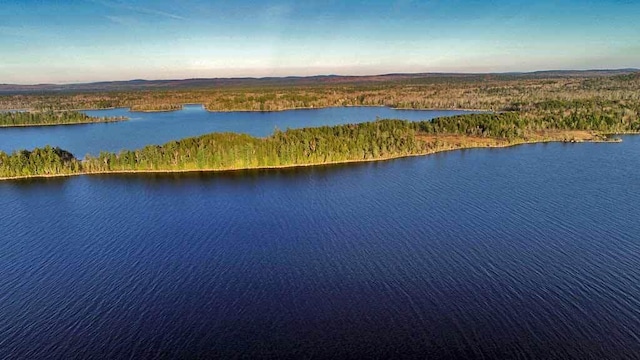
x,y
92,40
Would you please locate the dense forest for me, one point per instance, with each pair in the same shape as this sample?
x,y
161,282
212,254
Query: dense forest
x,y
21,118
486,92
292,147
46,161
357,142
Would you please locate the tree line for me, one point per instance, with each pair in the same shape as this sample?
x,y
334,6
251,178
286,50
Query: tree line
x,y
24,118
40,161
490,92
355,142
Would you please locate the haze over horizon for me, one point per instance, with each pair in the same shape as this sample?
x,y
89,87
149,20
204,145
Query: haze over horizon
x,y
106,40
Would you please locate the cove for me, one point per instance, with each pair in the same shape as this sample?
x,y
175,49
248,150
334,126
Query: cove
x,y
157,128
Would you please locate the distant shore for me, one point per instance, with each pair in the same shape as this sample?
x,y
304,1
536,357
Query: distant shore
x,y
132,110
336,107
129,109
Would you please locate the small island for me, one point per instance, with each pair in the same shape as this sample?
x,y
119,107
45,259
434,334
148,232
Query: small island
x,y
51,118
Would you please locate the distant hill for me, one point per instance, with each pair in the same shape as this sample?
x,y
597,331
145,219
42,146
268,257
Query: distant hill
x,y
140,84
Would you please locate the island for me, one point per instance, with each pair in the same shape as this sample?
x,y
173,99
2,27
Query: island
x,y
51,118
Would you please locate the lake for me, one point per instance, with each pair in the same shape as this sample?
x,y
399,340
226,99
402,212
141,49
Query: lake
x,y
526,252
193,120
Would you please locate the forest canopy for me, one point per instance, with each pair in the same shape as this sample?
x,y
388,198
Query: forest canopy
x,y
29,118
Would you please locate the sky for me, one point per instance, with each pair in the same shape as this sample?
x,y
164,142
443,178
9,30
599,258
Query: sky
x,y
101,40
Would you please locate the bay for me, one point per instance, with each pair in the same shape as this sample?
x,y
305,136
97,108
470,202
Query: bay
x,y
526,252
157,128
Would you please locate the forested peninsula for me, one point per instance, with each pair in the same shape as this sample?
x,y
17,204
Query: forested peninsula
x,y
51,118
379,140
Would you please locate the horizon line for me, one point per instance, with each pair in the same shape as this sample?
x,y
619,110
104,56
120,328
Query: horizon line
x,y
626,69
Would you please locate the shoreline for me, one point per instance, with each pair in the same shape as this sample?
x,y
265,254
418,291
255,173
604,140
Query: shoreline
x,y
62,124
293,166
204,106
344,106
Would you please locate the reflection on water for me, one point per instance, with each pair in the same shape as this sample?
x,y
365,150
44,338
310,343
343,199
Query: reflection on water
x,y
527,252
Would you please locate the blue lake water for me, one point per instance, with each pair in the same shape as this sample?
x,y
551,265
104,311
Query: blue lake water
x,y
158,128
527,252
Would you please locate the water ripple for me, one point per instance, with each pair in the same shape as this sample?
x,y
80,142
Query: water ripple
x,y
530,252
